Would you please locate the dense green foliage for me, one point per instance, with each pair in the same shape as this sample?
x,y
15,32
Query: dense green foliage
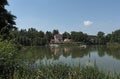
x,y
33,37
100,38
115,36
55,32
6,21
62,71
8,52
8,49
66,35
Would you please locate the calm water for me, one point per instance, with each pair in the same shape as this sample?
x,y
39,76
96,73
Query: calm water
x,y
105,58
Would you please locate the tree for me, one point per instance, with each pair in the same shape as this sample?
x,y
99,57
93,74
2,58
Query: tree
x,y
41,34
116,36
55,32
101,38
66,35
6,21
77,36
108,38
48,36
8,52
8,49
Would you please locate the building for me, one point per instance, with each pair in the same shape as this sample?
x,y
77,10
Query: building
x,y
58,38
67,40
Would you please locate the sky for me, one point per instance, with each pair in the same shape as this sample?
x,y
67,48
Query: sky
x,y
88,16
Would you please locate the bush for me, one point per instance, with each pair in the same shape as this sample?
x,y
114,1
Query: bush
x,y
8,51
62,71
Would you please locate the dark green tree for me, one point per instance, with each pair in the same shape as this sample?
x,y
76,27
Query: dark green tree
x,y
41,34
77,36
55,32
108,38
66,35
116,36
101,38
6,21
48,36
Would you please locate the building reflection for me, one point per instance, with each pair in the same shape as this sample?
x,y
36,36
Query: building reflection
x,y
31,54
58,51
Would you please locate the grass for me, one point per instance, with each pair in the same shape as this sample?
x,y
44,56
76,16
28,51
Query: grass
x,y
62,71
113,45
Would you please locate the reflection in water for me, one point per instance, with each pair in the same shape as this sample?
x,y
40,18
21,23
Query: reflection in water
x,y
102,56
58,51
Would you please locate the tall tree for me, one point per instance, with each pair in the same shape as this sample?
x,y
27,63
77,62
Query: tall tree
x,y
101,38
109,38
48,36
66,35
6,21
116,36
77,36
55,32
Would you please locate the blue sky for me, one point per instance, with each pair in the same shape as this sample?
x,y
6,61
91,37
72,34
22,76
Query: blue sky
x,y
88,16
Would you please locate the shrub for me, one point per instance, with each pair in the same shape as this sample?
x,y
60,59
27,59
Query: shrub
x,y
8,51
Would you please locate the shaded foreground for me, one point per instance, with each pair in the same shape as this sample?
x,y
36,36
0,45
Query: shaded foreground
x,y
62,71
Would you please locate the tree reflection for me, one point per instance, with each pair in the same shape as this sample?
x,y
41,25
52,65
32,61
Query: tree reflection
x,y
115,52
32,54
101,50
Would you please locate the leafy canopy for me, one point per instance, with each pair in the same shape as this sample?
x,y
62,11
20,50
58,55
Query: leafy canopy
x,y
6,21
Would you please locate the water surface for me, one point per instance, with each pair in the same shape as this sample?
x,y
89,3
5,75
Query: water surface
x,y
105,58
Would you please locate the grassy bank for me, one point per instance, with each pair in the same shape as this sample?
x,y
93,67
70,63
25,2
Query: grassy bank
x,y
60,71
113,45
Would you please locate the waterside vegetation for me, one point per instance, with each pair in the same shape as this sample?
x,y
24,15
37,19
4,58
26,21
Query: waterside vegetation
x,y
11,39
62,71
33,37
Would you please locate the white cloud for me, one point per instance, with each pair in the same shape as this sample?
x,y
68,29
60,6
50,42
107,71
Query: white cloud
x,y
87,23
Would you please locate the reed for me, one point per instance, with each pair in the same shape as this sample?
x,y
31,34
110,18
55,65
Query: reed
x,y
63,71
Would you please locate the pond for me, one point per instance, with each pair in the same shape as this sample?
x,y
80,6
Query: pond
x,y
105,58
